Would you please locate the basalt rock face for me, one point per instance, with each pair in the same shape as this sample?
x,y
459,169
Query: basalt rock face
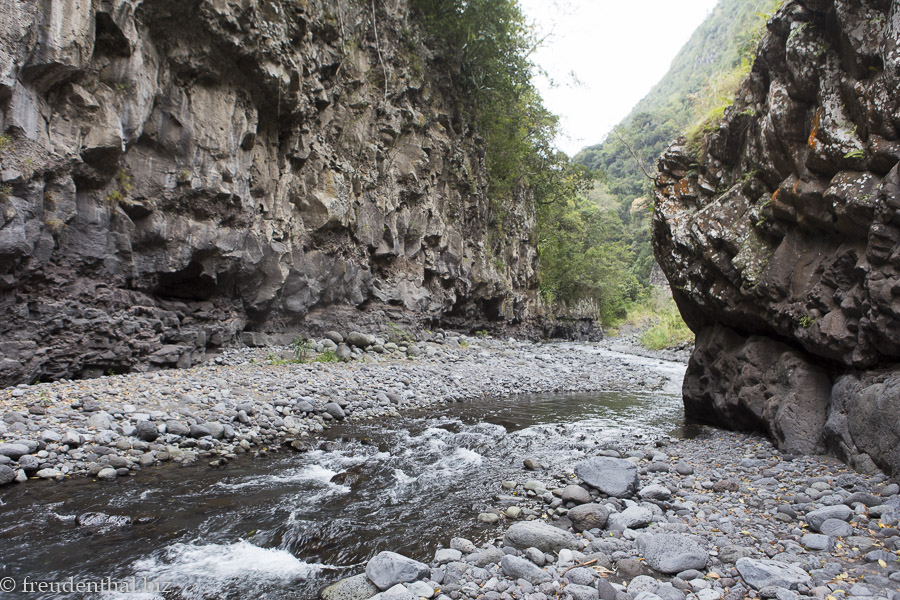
x,y
180,176
780,241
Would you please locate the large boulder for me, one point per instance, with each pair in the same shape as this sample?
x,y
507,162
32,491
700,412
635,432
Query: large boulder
x,y
387,569
613,476
672,553
772,573
539,535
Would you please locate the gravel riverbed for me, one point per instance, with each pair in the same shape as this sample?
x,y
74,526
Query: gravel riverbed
x,y
244,401
720,516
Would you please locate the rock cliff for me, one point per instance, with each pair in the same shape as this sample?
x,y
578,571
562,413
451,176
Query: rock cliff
x,y
780,240
184,175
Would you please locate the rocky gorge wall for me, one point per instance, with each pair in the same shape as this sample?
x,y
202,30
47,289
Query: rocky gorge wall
x,y
780,240
182,176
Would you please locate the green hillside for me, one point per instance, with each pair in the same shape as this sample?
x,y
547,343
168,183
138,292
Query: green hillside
x,y
699,84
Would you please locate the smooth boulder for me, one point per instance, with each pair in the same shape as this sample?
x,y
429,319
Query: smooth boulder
x,y
588,516
613,476
387,569
538,534
672,553
817,517
520,568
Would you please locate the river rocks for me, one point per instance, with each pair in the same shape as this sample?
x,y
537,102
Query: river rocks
x,y
446,555
816,541
107,474
334,409
817,517
198,431
576,494
655,492
520,568
539,535
771,573
387,569
145,430
612,476
13,451
357,587
588,516
582,592
360,340
836,528
632,517
7,474
669,553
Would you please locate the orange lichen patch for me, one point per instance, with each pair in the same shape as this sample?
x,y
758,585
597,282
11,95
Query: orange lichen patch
x,y
815,130
682,187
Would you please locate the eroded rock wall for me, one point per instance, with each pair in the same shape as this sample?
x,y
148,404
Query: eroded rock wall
x,y
184,175
780,238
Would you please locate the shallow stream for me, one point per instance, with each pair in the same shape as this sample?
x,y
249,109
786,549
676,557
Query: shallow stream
x,y
285,525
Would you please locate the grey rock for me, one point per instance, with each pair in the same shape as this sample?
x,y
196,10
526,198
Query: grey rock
x,y
13,451
836,528
731,554
334,336
7,475
613,476
107,474
539,535
582,592
145,430
817,517
763,573
576,494
580,575
606,590
387,569
357,587
199,431
177,428
72,439
672,553
334,409
520,568
633,517
344,353
463,545
446,555
216,430
588,516
360,340
29,463
817,541
655,492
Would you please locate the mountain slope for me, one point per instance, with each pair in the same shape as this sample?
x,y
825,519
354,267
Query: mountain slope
x,y
716,47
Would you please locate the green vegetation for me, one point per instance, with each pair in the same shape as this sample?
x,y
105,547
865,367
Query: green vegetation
x,y
666,327
586,263
691,97
486,45
304,353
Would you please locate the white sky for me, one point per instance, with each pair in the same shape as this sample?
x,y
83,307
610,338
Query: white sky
x,y
617,50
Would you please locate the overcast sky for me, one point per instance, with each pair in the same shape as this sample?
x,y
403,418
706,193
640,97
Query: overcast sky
x,y
616,49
